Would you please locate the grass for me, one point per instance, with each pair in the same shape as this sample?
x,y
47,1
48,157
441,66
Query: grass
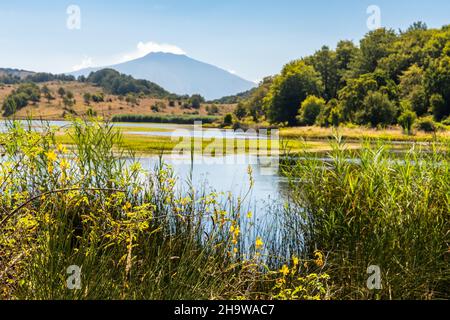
x,y
378,210
143,234
132,232
361,133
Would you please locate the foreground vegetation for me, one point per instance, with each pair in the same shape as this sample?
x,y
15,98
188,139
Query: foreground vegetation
x,y
363,208
133,233
146,235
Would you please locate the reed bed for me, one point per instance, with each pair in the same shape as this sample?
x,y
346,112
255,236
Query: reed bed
x,y
370,207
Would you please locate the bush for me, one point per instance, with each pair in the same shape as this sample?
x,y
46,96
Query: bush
x,y
426,124
212,110
377,110
196,100
227,120
240,112
20,98
98,97
406,120
310,110
438,107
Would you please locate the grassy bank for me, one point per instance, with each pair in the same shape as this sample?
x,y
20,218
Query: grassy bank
x,y
361,133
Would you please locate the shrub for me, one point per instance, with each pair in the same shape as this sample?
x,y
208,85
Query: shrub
x,y
377,110
310,110
240,112
212,110
426,124
406,120
20,98
438,107
228,120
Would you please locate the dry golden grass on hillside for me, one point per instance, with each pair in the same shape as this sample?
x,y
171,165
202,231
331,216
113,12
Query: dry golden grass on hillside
x,y
112,105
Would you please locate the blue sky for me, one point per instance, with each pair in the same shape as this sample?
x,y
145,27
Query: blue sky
x,y
252,38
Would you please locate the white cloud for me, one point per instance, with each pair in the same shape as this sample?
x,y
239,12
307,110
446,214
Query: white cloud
x,y
87,62
144,48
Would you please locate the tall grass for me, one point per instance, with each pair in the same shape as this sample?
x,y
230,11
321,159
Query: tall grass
x,y
143,234
370,207
133,233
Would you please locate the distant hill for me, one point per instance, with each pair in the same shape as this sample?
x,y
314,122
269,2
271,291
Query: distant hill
x,y
119,84
181,75
236,98
22,74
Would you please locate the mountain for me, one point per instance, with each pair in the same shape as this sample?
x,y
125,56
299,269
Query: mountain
x,y
181,75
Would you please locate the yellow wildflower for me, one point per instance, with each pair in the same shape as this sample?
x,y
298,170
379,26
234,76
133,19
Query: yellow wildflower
x,y
249,215
319,258
64,164
259,243
127,206
62,148
51,156
284,270
237,231
295,261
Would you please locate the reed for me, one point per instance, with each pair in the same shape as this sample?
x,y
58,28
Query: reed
x,y
371,207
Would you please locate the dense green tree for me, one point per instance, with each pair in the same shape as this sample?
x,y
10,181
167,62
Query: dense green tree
x,y
310,109
228,120
438,107
377,110
26,93
373,47
289,89
240,112
330,115
116,83
325,62
196,100
437,82
346,53
255,103
411,89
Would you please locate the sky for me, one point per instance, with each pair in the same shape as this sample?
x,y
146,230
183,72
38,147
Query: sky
x,y
252,38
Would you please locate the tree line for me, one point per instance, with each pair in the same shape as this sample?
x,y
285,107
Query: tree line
x,y
390,78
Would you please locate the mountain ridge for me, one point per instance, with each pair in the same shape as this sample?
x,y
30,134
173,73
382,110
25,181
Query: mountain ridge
x,y
180,74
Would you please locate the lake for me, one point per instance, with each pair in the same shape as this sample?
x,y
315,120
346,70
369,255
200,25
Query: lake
x,y
221,174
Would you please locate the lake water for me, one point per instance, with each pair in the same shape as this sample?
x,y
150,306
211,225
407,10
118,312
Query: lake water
x,y
224,175
214,174
160,130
